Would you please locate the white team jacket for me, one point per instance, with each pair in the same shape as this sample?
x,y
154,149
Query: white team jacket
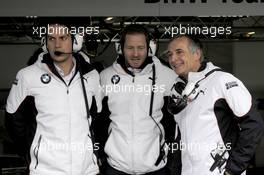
x,y
61,144
133,144
211,120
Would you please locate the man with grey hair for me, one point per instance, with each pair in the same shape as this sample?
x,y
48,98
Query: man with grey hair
x,y
220,127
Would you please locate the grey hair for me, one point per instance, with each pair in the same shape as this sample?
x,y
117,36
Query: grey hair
x,y
193,44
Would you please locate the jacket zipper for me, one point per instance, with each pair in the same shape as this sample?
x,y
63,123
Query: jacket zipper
x,y
133,79
133,134
36,151
70,126
67,89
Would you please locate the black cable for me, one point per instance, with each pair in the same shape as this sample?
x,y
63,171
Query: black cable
x,y
88,113
150,114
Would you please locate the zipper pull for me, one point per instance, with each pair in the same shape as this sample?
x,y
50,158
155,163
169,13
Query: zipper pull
x,y
133,79
67,90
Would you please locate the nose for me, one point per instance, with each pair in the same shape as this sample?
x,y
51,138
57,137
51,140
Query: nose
x,y
57,43
172,57
135,53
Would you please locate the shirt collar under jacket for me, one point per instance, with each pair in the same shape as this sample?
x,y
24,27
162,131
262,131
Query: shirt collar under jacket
x,y
68,77
81,63
120,66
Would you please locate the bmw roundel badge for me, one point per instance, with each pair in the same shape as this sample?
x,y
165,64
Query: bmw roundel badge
x,y
45,78
115,79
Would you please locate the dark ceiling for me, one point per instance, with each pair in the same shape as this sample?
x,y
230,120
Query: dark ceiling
x,y
20,29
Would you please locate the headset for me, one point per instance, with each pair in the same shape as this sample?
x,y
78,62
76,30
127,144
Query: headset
x,y
151,51
77,41
186,92
137,29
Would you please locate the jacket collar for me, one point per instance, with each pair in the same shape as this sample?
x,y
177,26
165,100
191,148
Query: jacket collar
x,y
81,63
121,66
203,70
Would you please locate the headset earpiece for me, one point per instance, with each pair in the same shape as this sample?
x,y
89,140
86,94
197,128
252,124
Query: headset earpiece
x,y
152,48
179,87
43,44
189,90
118,48
76,43
179,100
176,104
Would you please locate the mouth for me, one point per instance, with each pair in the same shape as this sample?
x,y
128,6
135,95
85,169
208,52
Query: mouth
x,y
176,66
135,59
57,53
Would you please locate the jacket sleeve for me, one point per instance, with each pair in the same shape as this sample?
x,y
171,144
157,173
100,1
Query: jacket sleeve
x,y
249,121
20,115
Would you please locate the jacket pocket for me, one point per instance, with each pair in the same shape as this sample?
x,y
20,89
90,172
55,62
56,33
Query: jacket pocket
x,y
36,151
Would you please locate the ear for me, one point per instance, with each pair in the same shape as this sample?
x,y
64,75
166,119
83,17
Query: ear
x,y
197,54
